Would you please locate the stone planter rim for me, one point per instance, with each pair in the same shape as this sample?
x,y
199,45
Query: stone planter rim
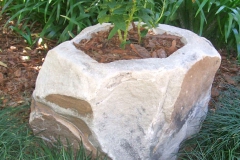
x,y
189,42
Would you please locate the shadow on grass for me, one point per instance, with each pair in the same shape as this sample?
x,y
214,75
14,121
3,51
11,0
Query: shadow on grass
x,y
18,142
219,138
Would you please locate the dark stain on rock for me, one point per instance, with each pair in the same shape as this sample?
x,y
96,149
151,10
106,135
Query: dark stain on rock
x,y
53,126
129,149
195,85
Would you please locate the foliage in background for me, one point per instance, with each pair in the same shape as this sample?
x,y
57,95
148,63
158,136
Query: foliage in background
x,y
217,20
18,142
60,19
219,138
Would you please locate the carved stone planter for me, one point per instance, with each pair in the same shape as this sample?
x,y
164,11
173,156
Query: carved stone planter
x,y
127,109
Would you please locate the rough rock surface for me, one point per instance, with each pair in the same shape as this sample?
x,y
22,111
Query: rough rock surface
x,y
127,109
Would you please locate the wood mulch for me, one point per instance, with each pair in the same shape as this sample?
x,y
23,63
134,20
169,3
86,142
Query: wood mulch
x,y
20,64
151,46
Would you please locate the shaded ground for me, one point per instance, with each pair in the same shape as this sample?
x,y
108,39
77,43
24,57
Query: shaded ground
x,y
228,73
19,66
17,80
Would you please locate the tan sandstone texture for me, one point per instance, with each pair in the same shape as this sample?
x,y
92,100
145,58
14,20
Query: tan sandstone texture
x,y
127,109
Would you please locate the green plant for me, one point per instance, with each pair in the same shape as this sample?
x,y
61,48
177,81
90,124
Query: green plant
x,y
219,138
121,13
217,20
26,35
60,19
227,17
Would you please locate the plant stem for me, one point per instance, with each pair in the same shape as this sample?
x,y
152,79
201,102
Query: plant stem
x,y
120,35
164,3
130,19
139,31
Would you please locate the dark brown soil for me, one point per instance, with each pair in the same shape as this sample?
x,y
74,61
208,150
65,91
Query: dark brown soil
x,y
17,80
19,65
152,46
228,73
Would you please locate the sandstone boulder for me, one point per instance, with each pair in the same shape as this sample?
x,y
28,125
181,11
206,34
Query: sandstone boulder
x,y
127,109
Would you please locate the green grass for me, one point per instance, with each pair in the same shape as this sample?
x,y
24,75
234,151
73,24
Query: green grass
x,y
18,142
219,138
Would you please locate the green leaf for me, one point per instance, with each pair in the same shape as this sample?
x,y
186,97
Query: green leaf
x,y
112,5
123,44
236,15
27,36
118,21
209,5
46,11
174,9
146,16
237,38
228,26
119,11
103,17
113,32
167,13
71,20
200,9
144,33
5,6
71,34
220,9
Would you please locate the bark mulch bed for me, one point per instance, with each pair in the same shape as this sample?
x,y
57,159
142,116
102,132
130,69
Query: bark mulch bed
x,y
20,64
151,46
